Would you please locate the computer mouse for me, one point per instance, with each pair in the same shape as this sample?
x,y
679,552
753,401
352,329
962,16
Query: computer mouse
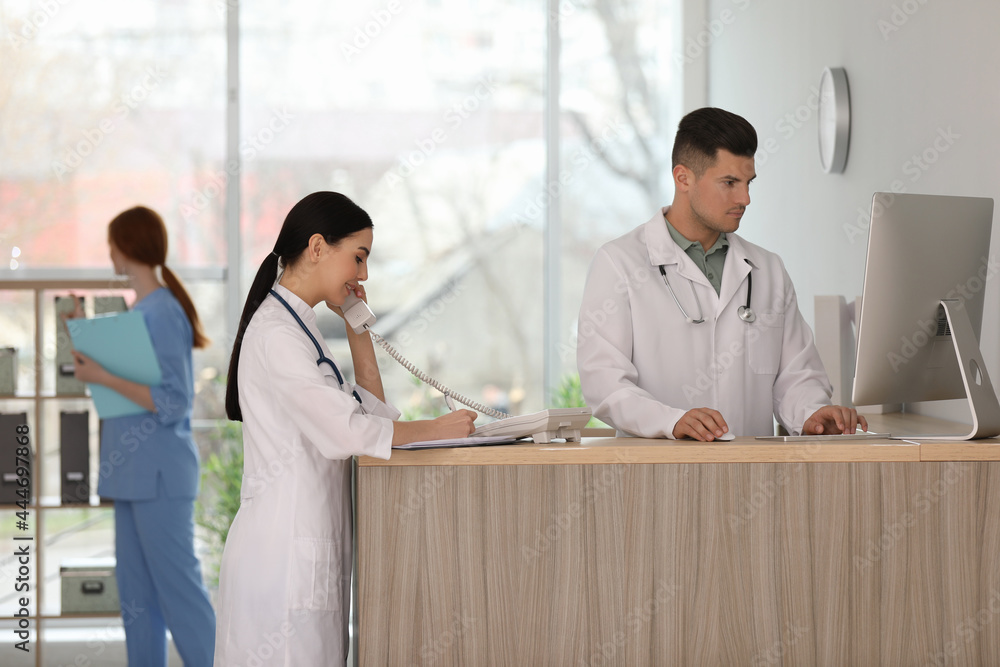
x,y
727,436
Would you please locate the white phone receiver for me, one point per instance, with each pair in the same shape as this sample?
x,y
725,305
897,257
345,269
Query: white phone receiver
x,y
357,313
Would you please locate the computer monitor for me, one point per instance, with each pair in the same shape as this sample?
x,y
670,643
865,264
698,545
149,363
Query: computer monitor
x,y
922,306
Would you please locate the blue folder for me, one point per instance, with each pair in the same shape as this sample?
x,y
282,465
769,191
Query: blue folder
x,y
120,343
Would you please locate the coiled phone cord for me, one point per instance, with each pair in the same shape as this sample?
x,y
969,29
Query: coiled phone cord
x,y
478,407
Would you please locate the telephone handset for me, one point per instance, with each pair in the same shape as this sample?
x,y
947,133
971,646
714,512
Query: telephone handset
x,y
357,313
542,426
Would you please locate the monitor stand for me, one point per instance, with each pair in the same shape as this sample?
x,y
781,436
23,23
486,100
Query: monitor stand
x,y
978,388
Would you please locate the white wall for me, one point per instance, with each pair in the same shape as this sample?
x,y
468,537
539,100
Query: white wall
x,y
917,69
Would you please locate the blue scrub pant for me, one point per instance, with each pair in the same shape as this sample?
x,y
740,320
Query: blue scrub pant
x,y
159,582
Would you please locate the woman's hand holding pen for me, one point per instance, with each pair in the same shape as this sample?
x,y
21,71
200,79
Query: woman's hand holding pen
x,y
457,424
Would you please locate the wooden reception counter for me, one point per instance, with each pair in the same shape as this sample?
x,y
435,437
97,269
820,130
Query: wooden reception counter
x,y
653,552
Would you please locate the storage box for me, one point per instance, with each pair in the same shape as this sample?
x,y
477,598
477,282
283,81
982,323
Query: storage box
x,y
66,382
109,304
8,371
89,586
9,478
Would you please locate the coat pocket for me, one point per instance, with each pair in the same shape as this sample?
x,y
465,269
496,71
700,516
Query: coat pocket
x,y
315,577
764,342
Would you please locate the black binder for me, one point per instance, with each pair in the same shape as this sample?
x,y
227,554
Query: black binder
x,y
74,456
8,458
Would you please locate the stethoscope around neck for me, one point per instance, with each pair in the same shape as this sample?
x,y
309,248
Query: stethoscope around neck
x,y
745,312
323,359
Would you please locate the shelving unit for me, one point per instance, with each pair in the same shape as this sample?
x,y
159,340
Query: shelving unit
x,y
39,282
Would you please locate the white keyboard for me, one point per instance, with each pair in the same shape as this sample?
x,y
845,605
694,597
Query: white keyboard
x,y
831,437
543,427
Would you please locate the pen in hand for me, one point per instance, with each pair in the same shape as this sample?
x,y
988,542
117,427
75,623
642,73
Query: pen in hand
x,y
450,403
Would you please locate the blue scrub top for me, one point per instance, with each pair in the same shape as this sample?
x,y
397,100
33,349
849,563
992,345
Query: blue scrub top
x,y
138,450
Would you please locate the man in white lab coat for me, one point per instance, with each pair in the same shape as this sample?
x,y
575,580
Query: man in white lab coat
x,y
686,329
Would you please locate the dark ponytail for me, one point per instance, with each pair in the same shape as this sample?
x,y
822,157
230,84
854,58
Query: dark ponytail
x,y
330,214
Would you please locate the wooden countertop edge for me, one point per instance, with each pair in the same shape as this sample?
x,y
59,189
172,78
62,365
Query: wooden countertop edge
x,y
960,451
594,451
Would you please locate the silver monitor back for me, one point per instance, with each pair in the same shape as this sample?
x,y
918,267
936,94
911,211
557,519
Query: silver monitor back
x,y
921,249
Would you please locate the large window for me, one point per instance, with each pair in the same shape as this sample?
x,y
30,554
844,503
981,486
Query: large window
x,y
106,105
431,116
429,113
619,80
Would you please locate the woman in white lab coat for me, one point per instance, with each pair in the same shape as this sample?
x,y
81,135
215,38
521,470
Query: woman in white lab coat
x,y
284,588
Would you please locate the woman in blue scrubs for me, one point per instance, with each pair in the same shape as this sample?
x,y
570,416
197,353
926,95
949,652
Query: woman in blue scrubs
x,y
149,462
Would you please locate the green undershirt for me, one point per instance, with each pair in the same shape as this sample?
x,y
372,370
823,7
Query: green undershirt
x,y
711,261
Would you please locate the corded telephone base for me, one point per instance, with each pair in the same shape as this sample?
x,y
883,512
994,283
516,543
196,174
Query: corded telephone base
x,y
542,427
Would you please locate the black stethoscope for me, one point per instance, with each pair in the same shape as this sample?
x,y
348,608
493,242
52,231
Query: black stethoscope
x,y
745,312
323,359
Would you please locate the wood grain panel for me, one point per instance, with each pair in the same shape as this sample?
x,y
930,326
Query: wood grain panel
x,y
864,581
794,563
959,524
888,555
987,621
796,603
830,544
924,576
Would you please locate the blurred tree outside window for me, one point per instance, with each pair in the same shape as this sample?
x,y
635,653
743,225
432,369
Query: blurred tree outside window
x,y
428,113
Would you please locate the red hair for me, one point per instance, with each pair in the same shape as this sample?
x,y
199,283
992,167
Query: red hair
x,y
140,235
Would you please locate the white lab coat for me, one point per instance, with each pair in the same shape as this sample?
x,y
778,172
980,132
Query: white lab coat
x,y
284,592
642,366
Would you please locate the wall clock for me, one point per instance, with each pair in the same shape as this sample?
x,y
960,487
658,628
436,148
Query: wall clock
x,y
834,120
